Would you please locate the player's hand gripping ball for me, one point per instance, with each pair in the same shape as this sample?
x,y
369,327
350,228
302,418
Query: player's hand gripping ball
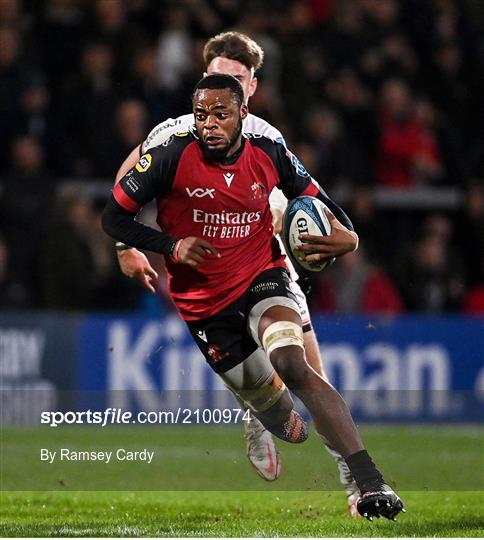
x,y
305,215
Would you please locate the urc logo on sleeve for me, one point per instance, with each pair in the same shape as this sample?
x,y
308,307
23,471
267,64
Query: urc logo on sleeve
x,y
144,163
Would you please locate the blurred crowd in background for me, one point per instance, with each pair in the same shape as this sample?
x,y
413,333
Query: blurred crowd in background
x,y
368,93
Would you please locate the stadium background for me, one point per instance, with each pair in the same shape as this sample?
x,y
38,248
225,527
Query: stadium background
x,y
379,99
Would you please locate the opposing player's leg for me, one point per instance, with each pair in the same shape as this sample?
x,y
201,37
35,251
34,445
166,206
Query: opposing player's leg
x,y
279,330
313,357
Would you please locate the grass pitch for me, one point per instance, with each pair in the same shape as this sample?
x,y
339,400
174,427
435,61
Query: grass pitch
x,y
438,472
255,514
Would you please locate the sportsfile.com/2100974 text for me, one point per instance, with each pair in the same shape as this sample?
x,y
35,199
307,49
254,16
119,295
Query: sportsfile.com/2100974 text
x,y
113,415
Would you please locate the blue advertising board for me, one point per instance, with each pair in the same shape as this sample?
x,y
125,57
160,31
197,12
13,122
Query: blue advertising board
x,y
37,364
406,369
413,368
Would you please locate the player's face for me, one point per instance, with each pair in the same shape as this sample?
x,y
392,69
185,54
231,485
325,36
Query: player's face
x,y
245,76
218,119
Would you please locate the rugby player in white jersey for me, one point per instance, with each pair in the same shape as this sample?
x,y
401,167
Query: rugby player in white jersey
x,y
238,55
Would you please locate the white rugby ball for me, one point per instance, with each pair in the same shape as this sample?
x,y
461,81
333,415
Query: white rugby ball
x,y
304,215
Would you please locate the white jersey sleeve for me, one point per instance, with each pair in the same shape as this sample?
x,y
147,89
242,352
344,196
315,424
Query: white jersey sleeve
x,y
258,126
164,130
277,200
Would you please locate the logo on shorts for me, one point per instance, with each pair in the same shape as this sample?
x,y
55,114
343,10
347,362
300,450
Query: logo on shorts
x,y
144,163
265,286
215,353
202,335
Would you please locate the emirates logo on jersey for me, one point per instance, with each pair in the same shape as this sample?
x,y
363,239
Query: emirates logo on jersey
x,y
258,191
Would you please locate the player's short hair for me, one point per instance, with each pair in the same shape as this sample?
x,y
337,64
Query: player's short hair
x,y
218,81
234,46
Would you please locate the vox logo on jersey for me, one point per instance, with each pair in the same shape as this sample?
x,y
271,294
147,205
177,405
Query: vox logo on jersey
x,y
200,192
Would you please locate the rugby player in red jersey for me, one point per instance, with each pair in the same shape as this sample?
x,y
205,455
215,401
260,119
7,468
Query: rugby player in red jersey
x,y
227,275
237,54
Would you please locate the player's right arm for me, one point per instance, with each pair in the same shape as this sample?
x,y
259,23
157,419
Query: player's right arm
x,y
151,178
133,263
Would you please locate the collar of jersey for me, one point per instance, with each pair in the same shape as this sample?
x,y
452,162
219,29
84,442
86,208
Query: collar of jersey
x,y
234,157
227,161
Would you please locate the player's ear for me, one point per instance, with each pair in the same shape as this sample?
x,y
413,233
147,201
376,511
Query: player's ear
x,y
244,111
252,86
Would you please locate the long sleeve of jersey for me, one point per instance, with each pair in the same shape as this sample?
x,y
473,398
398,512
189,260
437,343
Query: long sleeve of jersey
x,y
151,178
121,225
295,181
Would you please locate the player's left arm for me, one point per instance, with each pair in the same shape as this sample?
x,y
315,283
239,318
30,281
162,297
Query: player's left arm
x,y
295,181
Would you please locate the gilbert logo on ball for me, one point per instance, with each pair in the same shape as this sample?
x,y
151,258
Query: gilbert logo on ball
x,y
304,215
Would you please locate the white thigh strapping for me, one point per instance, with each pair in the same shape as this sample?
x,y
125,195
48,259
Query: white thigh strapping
x,y
254,382
261,307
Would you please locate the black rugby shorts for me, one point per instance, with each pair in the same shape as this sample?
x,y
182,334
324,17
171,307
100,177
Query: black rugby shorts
x,y
224,338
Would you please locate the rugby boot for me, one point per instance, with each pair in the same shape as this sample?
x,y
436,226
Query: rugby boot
x,y
380,501
261,450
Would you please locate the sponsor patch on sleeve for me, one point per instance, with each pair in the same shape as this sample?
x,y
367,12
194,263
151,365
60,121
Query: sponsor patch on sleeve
x,y
300,170
144,163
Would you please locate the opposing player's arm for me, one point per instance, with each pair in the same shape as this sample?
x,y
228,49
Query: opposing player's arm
x,y
128,163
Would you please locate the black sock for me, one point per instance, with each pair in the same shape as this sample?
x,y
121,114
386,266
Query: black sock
x,y
366,475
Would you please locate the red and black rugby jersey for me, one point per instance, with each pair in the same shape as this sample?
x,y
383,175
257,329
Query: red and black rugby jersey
x,y
226,203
